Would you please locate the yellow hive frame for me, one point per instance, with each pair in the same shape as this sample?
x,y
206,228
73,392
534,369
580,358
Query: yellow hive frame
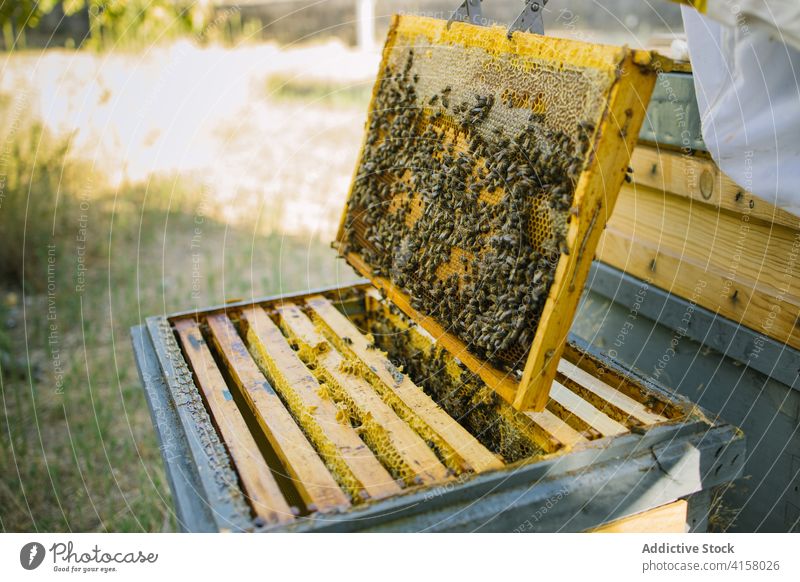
x,y
632,76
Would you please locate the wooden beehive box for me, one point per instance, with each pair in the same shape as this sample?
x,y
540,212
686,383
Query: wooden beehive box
x,y
333,411
488,171
354,409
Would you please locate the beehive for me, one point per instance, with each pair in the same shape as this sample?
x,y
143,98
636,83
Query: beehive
x,y
366,408
488,170
323,412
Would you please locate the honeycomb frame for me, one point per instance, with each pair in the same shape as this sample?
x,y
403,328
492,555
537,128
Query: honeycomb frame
x,y
623,80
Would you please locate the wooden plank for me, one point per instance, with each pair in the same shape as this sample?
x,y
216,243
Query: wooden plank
x,y
744,250
338,443
406,398
507,418
256,477
556,429
614,375
501,382
699,178
583,410
626,404
669,518
740,269
312,479
747,304
392,439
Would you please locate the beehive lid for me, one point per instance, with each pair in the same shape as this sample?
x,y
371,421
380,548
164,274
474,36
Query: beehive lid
x,y
488,170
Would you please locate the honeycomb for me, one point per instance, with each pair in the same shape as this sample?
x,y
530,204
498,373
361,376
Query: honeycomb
x,y
331,367
460,393
465,188
305,415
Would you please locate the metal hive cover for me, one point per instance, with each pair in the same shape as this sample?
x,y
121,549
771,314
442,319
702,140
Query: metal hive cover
x,y
488,170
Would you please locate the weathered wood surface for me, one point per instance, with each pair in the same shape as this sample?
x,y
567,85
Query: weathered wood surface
x,y
450,436
728,262
400,447
310,476
337,441
603,395
257,479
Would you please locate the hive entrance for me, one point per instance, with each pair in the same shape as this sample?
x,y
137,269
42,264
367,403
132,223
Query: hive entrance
x,y
465,192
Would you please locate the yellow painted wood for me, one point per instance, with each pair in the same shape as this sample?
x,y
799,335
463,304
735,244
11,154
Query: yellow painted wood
x,y
256,478
595,196
600,389
669,518
387,434
574,404
406,398
312,479
630,79
339,444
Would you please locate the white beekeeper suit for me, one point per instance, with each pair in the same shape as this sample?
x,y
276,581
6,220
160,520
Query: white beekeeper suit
x,y
746,62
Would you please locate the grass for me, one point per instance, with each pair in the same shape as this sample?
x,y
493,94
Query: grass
x,y
77,451
317,92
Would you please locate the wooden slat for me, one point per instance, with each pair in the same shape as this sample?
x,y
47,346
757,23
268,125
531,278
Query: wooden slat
x,y
314,482
338,442
747,303
669,518
450,437
625,403
256,478
556,429
700,179
746,250
501,382
583,410
398,444
595,195
507,418
723,263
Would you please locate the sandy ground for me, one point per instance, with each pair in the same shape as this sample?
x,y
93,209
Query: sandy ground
x,y
207,114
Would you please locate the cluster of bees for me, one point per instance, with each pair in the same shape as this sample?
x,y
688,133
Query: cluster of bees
x,y
463,396
443,204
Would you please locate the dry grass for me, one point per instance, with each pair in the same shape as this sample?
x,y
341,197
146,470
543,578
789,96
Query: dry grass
x,y
78,451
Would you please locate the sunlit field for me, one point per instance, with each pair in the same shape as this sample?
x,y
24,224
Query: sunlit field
x,y
140,184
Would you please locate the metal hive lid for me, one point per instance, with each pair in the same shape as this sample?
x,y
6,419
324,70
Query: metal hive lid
x,y
487,173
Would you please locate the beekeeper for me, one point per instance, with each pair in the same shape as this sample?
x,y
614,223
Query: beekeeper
x,y
745,58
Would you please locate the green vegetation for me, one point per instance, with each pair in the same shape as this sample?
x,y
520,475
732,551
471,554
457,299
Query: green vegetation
x,y
80,264
318,92
130,23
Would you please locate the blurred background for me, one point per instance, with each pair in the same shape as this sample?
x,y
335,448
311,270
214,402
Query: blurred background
x,y
165,155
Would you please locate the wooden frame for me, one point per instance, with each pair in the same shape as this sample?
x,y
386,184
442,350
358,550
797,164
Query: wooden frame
x,y
630,81
210,484
669,518
276,377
